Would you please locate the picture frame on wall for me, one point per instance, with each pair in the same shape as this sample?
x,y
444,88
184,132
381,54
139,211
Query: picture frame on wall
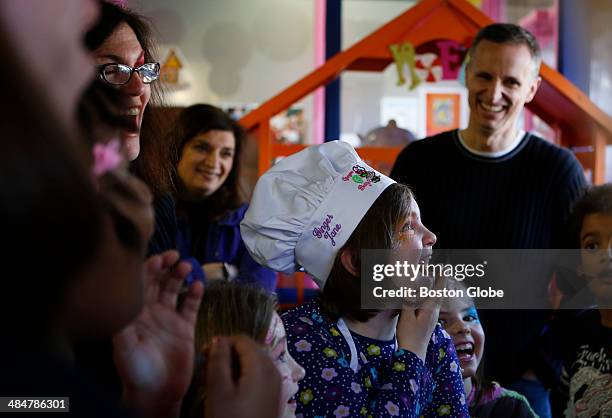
x,y
443,112
289,126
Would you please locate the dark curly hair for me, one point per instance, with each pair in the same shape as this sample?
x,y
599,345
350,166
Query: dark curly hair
x,y
596,199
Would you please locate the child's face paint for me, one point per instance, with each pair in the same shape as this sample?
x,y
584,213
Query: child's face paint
x,y
596,255
415,240
412,234
291,372
461,321
471,311
414,244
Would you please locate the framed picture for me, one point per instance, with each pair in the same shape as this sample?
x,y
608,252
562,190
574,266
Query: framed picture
x,y
443,112
288,127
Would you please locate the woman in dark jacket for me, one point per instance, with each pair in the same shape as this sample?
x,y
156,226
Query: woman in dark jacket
x,y
209,203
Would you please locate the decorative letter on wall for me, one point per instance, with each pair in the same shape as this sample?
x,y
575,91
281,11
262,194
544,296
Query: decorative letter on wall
x,y
435,60
452,55
405,54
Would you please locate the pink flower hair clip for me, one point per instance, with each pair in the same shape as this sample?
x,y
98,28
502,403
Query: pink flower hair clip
x,y
107,157
121,3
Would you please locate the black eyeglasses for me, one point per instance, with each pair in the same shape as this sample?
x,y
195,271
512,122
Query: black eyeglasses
x,y
119,74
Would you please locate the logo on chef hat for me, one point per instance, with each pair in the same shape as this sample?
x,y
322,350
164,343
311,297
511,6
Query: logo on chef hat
x,y
361,176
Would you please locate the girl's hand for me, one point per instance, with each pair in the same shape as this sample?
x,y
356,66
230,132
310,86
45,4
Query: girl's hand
x,y
155,353
416,325
241,380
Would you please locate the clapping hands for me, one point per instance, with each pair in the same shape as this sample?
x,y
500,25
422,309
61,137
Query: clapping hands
x,y
155,353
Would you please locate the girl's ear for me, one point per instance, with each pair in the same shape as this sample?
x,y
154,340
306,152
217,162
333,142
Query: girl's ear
x,y
346,259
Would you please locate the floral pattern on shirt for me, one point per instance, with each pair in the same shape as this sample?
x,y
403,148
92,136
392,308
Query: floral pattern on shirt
x,y
387,383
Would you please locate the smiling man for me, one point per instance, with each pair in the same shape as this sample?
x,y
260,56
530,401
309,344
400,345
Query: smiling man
x,y
501,78
494,186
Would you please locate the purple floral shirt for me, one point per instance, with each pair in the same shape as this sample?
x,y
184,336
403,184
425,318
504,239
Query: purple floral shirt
x,y
387,383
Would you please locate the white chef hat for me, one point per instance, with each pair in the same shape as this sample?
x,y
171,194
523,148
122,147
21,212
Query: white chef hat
x,y
305,208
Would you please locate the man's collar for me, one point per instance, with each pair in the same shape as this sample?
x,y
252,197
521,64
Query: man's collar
x,y
493,154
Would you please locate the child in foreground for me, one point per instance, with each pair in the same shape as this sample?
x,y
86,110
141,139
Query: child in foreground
x,y
233,309
318,209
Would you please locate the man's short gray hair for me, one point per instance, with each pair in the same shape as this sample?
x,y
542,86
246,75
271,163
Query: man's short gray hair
x,y
508,33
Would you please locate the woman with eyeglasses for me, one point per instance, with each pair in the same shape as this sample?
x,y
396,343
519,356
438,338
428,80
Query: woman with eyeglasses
x,y
64,278
123,50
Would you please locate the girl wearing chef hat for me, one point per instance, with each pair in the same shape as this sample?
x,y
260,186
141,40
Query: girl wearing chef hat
x,y
317,210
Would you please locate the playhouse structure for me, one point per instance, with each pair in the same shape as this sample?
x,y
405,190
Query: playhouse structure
x,y
578,123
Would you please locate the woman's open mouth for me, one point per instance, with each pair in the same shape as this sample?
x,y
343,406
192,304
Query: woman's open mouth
x,y
130,118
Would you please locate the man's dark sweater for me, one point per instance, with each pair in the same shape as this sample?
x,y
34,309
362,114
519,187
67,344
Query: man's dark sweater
x,y
517,201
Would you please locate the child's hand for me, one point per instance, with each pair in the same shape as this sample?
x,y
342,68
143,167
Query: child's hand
x,y
416,325
254,393
155,353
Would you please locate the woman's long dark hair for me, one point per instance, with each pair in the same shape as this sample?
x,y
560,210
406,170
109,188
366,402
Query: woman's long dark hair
x,y
99,119
152,165
202,118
